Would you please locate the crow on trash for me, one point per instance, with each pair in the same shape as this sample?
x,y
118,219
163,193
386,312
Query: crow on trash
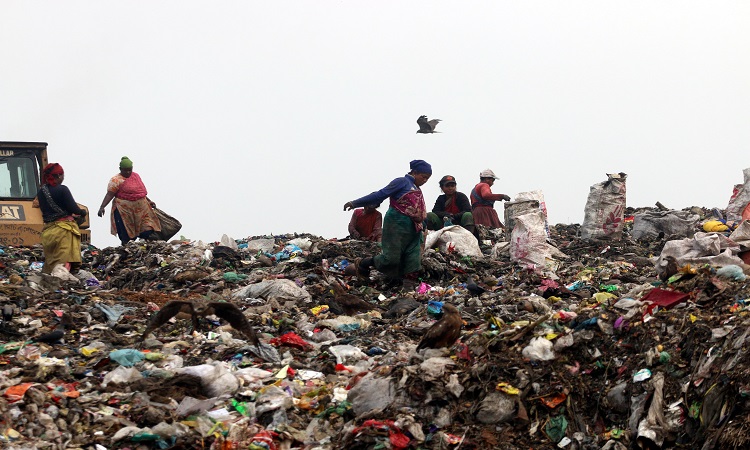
x,y
7,313
427,126
445,332
474,288
224,310
55,335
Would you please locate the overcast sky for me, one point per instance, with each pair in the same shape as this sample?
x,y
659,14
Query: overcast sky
x,y
251,118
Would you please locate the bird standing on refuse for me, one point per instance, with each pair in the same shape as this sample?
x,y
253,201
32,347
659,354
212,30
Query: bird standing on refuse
x,y
445,332
427,126
667,268
474,288
56,335
350,304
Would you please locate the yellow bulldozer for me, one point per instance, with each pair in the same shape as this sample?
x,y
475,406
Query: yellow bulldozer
x,y
21,224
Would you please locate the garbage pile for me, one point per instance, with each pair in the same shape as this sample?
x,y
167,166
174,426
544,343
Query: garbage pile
x,y
600,344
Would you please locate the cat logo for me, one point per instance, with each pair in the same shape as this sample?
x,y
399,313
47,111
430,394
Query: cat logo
x,y
12,212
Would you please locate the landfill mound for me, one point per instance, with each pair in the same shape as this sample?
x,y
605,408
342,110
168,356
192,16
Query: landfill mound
x,y
597,350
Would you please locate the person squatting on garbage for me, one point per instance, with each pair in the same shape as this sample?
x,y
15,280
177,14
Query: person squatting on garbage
x,y
61,238
133,213
403,223
483,201
451,208
366,224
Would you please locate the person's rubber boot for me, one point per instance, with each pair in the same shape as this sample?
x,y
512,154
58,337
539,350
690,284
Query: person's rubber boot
x,y
364,267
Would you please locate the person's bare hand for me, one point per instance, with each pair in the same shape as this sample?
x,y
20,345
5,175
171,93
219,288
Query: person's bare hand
x,y
348,206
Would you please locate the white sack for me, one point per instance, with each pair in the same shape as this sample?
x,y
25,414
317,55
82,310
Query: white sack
x,y
650,223
605,208
464,243
741,235
703,248
537,195
528,242
280,290
216,380
740,198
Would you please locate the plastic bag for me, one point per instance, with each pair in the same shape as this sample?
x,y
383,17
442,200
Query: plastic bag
x,y
539,349
127,357
605,208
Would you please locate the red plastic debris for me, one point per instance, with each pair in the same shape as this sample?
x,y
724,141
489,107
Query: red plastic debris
x,y
291,339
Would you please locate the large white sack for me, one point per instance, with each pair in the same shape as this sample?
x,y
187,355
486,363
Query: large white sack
x,y
703,248
650,223
537,195
740,198
741,235
528,242
215,378
605,209
464,243
280,290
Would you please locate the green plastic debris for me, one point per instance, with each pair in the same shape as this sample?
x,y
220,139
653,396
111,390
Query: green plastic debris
x,y
241,407
555,428
609,287
339,409
145,437
234,277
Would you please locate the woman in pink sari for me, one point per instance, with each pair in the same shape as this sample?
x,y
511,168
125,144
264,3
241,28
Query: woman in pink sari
x,y
133,213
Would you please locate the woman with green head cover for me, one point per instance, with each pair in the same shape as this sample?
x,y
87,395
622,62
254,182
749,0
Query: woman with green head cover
x,y
133,213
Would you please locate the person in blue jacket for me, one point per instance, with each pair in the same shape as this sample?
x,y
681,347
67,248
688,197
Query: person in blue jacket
x,y
403,223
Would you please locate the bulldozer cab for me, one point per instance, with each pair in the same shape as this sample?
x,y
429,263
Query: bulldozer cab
x,y
21,223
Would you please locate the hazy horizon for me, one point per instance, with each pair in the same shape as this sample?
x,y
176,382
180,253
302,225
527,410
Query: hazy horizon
x,y
252,118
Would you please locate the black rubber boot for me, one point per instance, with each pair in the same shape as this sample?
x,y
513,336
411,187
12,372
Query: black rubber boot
x,y
365,265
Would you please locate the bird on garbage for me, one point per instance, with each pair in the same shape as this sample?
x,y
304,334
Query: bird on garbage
x,y
55,335
445,332
474,288
7,313
350,304
427,126
401,307
666,268
224,310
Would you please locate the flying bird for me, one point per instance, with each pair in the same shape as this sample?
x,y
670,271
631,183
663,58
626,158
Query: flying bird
x,y
224,310
445,332
427,126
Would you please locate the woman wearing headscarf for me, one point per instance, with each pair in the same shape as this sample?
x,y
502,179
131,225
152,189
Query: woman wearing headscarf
x,y
61,238
483,201
452,207
402,226
133,213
